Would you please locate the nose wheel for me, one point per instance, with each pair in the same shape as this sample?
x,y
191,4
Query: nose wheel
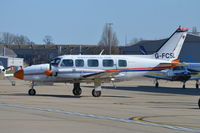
x,y
32,92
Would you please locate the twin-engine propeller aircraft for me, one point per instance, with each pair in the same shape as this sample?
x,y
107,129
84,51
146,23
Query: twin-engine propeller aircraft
x,y
103,68
189,71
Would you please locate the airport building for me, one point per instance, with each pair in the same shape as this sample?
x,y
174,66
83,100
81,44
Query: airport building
x,y
9,58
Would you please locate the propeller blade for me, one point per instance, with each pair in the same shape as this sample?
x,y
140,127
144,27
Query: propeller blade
x,y
48,72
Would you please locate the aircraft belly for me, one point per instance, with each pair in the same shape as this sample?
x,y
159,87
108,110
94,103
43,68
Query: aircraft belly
x,y
131,75
69,75
34,77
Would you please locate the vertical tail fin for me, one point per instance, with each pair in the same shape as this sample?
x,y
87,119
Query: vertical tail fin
x,y
170,50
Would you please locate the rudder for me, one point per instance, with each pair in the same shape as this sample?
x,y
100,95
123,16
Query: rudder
x,y
170,50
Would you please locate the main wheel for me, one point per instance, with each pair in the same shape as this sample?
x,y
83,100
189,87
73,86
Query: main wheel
x,y
197,86
77,91
157,84
32,92
96,93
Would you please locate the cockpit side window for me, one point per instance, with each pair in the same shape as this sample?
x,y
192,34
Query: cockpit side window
x,y
55,62
67,63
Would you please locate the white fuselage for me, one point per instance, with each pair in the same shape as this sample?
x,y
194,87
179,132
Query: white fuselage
x,y
129,66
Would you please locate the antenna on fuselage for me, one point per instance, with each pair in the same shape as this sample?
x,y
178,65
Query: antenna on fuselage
x,y
101,52
80,50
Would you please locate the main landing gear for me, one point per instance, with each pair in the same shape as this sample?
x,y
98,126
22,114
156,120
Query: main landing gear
x,y
96,92
183,85
197,84
199,103
156,83
77,89
32,91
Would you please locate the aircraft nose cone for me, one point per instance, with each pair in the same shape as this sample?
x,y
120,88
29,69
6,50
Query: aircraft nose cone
x,y
19,74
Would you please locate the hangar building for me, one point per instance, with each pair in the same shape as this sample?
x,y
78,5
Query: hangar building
x,y
189,52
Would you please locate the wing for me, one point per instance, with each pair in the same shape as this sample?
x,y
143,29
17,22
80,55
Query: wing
x,y
158,75
170,65
195,76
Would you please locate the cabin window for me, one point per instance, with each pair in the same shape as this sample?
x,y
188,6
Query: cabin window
x,y
55,62
93,63
122,63
79,63
67,63
108,63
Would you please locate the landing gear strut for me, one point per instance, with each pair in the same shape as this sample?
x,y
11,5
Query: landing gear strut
x,y
183,85
32,91
199,103
156,83
77,89
197,84
96,92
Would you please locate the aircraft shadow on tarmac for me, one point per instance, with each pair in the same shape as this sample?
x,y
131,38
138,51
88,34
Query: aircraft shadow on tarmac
x,y
43,95
152,89
60,96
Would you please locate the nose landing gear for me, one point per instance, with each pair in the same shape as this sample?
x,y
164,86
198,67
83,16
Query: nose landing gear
x,y
32,91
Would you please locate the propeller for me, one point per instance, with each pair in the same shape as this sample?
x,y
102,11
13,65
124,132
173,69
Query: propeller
x,y
50,71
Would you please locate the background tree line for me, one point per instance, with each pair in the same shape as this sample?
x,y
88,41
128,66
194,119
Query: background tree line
x,y
9,38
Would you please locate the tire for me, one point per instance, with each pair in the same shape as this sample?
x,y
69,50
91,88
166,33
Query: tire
x,y
197,86
96,93
77,92
183,86
13,83
32,92
157,85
